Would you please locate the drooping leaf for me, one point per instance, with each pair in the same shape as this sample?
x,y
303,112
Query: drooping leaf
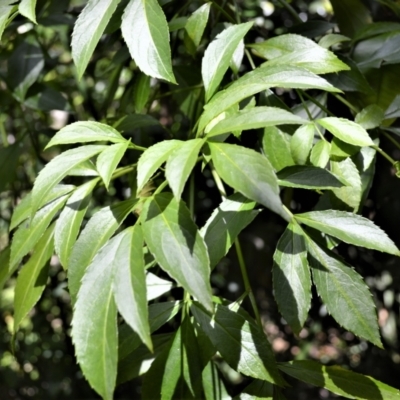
x,y
156,286
27,9
70,219
109,159
346,130
194,28
219,54
57,169
241,343
301,143
33,277
307,177
88,30
351,228
85,131
344,293
152,159
320,154
292,278
249,173
177,246
370,117
225,224
254,118
181,163
339,380
145,30
97,231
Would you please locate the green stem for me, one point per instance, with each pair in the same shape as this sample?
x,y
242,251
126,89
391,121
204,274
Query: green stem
x,y
136,147
222,11
250,58
384,154
291,11
345,102
304,105
317,103
393,140
123,171
160,188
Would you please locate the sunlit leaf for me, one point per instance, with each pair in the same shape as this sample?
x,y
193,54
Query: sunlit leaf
x,y
27,9
301,143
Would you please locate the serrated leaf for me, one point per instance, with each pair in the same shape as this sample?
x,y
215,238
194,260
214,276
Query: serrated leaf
x,y
256,81
173,239
351,228
88,30
109,159
370,117
249,173
146,33
97,231
307,177
5,11
28,234
241,343
27,9
320,154
276,147
70,219
152,159
33,277
301,143
181,163
85,131
339,380
346,130
292,278
218,55
254,118
156,286
225,224
194,28
57,169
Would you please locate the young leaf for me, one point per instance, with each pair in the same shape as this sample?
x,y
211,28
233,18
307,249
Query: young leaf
x,y
85,131
339,380
180,164
88,29
301,143
32,279
177,246
225,224
370,117
292,278
27,9
97,231
320,154
351,228
146,33
307,177
70,219
346,130
109,159
254,118
152,159
249,173
156,286
130,283
57,169
241,343
218,55
194,28
344,293
275,145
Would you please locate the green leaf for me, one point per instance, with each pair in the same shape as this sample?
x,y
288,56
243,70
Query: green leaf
x,y
301,143
141,92
156,286
339,380
85,168
109,159
307,177
88,29
256,81
173,239
27,9
85,131
5,11
28,234
152,159
237,58
57,169
291,49
5,271
254,118
370,117
176,23
341,150
146,33
276,146
194,28
131,122
249,173
346,130
320,153
181,163
213,386
70,219
219,54
130,283
332,39
33,277
225,224
351,228
292,278
241,343
258,389
97,231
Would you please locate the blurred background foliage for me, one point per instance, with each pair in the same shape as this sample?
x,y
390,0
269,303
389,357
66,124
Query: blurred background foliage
x,y
39,94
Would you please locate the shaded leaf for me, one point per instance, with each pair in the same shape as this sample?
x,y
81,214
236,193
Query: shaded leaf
x,y
258,389
141,92
194,28
213,386
5,271
370,117
341,150
130,122
301,143
5,11
276,146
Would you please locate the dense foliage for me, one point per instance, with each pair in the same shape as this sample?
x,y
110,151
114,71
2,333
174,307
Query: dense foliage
x,y
133,156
